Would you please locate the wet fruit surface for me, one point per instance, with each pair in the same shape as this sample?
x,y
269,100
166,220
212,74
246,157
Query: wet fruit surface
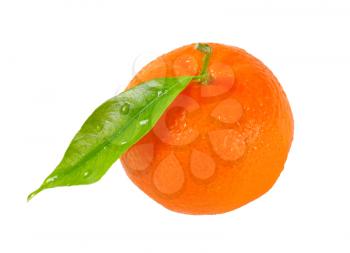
x,y
218,146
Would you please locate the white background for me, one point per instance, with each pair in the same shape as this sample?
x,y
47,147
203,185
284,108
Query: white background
x,y
61,59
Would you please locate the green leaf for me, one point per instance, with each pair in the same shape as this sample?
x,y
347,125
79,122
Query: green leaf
x,y
111,129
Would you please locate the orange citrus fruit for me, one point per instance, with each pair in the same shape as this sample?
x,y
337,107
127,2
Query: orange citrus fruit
x,y
219,145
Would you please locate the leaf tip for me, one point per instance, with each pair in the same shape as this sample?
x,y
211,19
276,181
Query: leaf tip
x,y
32,195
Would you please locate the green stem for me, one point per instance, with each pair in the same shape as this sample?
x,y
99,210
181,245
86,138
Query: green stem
x,y
204,76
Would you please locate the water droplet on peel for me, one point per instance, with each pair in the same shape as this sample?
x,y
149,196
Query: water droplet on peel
x,y
169,176
86,173
124,109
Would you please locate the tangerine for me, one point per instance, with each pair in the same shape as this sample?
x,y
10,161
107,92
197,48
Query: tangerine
x,y
219,145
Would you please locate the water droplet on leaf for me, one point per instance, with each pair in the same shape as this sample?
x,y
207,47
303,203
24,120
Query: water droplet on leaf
x,y
159,93
125,108
143,122
51,179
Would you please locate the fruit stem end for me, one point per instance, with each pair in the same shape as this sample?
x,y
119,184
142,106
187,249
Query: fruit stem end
x,y
204,76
